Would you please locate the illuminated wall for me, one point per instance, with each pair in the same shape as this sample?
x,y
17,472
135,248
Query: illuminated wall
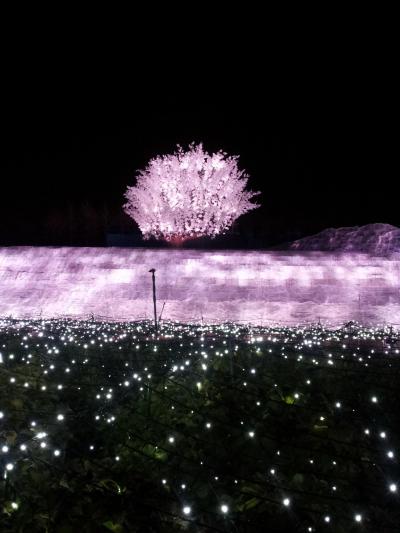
x,y
250,286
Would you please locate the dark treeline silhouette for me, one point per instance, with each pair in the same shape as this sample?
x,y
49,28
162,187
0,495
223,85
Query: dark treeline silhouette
x,y
87,224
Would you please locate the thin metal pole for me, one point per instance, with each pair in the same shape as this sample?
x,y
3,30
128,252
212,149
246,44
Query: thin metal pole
x,y
159,318
152,270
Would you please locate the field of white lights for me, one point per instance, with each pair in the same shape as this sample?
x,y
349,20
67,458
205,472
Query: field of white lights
x,y
110,427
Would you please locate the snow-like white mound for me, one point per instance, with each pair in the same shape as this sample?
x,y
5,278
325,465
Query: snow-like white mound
x,y
374,239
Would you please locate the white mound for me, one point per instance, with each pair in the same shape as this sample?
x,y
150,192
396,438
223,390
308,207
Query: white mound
x,y
374,239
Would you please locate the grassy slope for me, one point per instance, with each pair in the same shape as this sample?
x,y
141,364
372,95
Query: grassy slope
x,y
273,435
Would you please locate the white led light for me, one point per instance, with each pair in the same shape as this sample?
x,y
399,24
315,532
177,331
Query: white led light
x,y
224,508
358,518
286,502
187,510
393,487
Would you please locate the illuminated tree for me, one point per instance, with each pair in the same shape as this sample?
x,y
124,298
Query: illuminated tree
x,y
188,194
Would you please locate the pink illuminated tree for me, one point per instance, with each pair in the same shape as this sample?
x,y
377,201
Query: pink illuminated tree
x,y
189,194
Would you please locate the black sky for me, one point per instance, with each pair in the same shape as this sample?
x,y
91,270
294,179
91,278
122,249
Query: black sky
x,y
318,138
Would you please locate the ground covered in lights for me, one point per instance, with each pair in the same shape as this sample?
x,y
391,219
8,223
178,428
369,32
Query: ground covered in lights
x,y
106,427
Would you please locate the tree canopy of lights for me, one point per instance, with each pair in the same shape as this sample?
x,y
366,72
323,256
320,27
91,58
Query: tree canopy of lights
x,y
189,194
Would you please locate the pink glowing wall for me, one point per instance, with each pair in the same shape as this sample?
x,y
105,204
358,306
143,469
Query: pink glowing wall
x,y
250,286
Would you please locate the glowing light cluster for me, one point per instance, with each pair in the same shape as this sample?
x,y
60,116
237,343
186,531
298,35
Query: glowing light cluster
x,y
188,194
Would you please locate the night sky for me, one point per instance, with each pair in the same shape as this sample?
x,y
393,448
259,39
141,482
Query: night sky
x,y
318,143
